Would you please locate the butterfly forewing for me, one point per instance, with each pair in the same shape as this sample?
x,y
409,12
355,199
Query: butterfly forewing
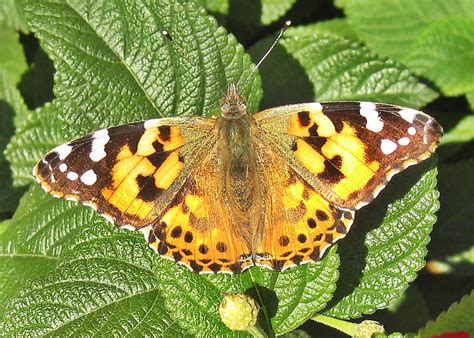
x,y
349,151
128,172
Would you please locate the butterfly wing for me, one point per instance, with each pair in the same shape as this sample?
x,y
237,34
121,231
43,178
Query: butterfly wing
x,y
348,151
300,224
336,158
126,173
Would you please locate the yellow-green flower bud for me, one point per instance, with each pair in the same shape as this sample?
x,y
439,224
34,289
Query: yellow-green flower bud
x,y
368,329
238,312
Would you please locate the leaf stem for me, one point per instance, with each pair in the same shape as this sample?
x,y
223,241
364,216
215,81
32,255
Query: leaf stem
x,y
257,332
341,325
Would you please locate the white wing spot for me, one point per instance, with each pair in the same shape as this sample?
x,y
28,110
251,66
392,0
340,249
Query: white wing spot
x,y
101,138
408,114
151,123
404,141
388,146
63,150
97,154
369,111
89,177
72,175
63,167
317,106
412,131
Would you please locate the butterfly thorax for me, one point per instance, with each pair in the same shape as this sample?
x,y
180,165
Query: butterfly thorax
x,y
237,132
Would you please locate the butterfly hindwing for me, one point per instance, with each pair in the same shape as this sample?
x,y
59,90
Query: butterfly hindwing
x,y
300,223
350,150
128,172
196,228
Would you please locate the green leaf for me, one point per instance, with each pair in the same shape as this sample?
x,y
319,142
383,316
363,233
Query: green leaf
x,y
457,318
12,15
451,243
391,27
215,6
388,244
288,299
335,26
12,111
35,137
272,10
122,70
104,284
328,67
28,246
443,53
12,58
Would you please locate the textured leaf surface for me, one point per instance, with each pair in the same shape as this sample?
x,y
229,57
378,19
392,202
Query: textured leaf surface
x,y
444,53
12,58
104,284
122,69
391,27
288,298
328,67
457,318
29,246
35,137
388,245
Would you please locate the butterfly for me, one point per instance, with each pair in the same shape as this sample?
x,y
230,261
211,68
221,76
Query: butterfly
x,y
275,189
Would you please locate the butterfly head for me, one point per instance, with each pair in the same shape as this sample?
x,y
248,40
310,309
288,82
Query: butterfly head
x,y
233,105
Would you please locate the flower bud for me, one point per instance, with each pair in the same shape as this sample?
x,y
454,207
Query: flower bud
x,y
368,328
238,312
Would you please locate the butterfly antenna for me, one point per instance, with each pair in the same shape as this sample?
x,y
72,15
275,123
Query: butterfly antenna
x,y
255,68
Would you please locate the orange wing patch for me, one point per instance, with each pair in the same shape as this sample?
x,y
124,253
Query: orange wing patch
x,y
139,177
123,172
308,226
351,149
193,231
